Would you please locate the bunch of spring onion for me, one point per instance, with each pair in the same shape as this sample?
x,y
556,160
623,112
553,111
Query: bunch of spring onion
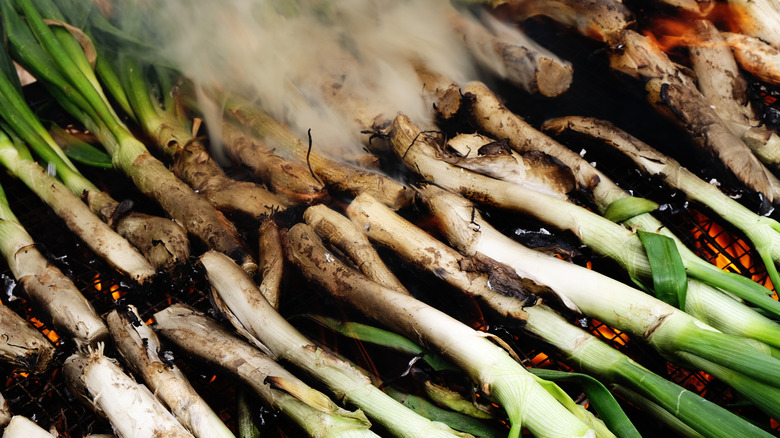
x,y
239,298
732,358
486,110
460,222
56,58
148,94
161,241
527,403
703,301
140,348
313,411
763,232
47,287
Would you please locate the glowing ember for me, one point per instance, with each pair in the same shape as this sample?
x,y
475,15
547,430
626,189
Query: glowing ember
x,y
617,337
725,250
671,33
539,359
52,335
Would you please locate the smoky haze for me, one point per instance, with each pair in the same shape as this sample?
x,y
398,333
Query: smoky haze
x,y
295,58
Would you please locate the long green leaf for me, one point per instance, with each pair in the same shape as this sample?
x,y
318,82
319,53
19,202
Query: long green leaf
x,y
653,409
377,336
455,420
670,280
78,150
602,400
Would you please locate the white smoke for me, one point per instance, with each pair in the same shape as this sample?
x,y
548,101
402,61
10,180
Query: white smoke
x,y
290,56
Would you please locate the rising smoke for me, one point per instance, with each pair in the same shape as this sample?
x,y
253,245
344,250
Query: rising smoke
x,y
296,58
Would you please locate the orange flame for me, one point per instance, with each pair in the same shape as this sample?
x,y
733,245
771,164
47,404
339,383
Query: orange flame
x,y
729,17
674,32
539,359
727,251
611,334
113,289
52,335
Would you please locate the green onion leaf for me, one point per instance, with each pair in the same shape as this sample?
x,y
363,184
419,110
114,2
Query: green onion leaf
x,y
625,208
246,423
454,401
455,420
658,412
78,150
384,338
670,280
602,400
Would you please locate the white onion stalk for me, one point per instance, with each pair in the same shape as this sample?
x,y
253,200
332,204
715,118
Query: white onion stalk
x,y
313,411
755,56
339,231
45,284
99,237
23,427
130,407
493,117
497,374
140,348
762,19
270,259
21,344
5,412
258,320
583,349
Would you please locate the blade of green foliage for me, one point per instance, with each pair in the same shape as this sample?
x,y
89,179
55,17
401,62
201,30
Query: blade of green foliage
x,y
78,150
246,424
656,411
625,208
455,420
602,400
377,336
670,280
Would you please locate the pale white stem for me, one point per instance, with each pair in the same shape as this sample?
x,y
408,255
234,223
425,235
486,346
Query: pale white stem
x,y
5,412
47,286
140,348
756,56
22,345
762,19
130,407
23,427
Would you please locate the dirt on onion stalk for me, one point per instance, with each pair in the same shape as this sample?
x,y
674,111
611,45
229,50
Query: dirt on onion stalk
x,y
23,346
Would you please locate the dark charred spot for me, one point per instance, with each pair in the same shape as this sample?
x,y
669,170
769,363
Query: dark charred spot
x,y
499,147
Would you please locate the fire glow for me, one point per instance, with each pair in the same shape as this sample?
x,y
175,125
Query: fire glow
x,y
725,250
672,32
113,289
